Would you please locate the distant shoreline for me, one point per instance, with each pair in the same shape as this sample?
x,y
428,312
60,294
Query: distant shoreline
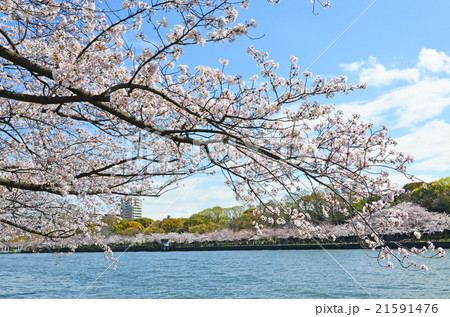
x,y
178,248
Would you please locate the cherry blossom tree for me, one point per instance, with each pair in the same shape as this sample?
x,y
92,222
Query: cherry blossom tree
x,y
86,118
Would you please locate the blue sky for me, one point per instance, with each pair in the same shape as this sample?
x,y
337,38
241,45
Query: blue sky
x,y
399,48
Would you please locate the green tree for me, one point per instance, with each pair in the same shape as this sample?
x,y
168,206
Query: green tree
x,y
110,220
145,222
435,196
215,214
406,196
132,231
126,224
244,221
234,215
412,186
172,225
194,220
312,203
154,229
205,227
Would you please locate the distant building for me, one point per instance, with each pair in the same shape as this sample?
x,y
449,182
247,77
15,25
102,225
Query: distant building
x,y
131,208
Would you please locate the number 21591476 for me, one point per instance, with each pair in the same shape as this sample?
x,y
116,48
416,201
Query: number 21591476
x,y
406,308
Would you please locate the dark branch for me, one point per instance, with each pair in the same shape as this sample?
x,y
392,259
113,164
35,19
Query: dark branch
x,y
47,100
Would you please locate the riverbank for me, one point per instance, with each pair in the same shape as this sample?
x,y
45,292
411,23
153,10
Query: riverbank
x,y
185,248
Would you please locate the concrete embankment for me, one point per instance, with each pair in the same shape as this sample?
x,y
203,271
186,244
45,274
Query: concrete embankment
x,y
173,248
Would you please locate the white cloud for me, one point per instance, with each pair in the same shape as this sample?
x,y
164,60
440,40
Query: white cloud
x,y
195,194
375,74
416,106
352,67
430,146
434,61
415,102
400,179
378,75
405,106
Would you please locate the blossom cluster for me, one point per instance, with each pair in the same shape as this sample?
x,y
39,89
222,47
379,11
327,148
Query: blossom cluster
x,y
85,118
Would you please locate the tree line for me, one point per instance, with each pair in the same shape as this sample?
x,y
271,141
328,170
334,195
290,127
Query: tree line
x,y
434,196
211,219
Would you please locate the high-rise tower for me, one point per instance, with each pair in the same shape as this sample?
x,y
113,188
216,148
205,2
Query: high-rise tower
x,y
131,208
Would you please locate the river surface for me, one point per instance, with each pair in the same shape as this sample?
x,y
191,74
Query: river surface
x,y
219,274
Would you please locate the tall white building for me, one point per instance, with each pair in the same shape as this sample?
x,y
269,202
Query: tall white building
x,y
131,208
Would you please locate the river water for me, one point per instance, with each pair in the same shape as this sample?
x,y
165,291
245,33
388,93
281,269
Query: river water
x,y
219,274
